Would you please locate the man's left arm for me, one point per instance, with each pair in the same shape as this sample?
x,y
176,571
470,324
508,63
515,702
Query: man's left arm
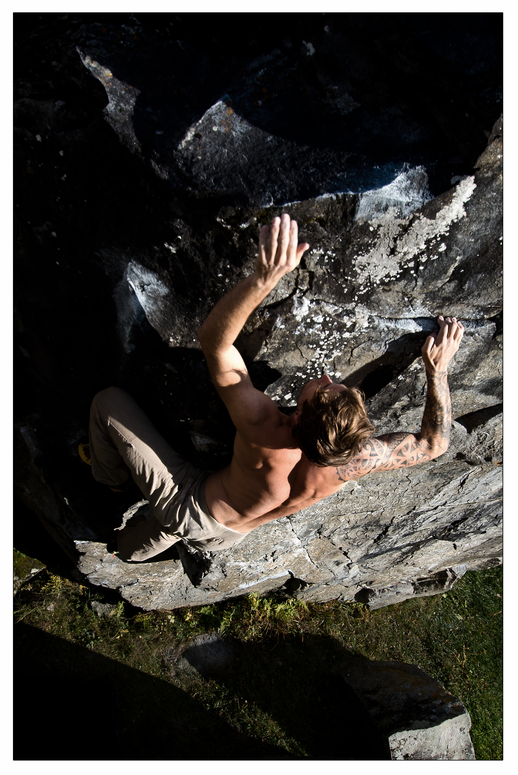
x,y
402,450
279,253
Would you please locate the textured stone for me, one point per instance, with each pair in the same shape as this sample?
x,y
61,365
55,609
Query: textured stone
x,y
418,718
145,163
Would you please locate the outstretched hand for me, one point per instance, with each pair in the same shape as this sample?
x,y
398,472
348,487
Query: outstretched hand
x,y
279,250
439,349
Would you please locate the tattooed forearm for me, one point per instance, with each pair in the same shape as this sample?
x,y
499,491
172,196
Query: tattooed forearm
x,y
436,425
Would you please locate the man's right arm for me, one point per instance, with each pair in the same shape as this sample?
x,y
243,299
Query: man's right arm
x,y
279,253
402,450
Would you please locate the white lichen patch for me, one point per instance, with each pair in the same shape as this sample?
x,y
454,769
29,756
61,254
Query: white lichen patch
x,y
401,241
301,307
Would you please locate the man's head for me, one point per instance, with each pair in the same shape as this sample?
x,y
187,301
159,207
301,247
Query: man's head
x,y
330,424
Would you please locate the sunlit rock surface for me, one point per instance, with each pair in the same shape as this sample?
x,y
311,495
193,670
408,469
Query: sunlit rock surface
x,y
148,152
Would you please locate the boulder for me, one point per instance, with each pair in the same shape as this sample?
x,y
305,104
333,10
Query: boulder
x,y
149,149
415,715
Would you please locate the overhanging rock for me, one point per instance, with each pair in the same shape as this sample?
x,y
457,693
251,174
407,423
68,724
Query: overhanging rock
x,y
145,163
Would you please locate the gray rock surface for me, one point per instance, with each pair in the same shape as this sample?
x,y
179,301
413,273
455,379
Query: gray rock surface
x,y
418,718
145,163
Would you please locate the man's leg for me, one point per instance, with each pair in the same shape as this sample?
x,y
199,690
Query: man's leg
x,y
123,441
144,540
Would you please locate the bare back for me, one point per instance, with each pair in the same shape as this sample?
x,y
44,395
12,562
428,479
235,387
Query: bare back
x,y
263,483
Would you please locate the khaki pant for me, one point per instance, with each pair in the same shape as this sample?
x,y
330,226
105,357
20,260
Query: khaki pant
x,y
123,442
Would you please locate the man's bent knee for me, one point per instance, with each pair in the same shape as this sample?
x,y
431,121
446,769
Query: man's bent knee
x,y
108,397
142,539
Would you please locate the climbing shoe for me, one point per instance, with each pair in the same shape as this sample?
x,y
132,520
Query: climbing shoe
x,y
111,546
83,450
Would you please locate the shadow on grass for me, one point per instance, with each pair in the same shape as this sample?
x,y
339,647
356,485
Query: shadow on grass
x,y
296,682
73,704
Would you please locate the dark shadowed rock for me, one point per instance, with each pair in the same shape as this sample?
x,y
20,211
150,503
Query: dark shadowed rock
x,y
148,152
207,654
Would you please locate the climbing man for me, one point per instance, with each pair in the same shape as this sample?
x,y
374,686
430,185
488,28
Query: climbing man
x,y
280,464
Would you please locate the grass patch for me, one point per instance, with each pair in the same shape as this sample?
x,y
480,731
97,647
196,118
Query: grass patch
x,y
282,696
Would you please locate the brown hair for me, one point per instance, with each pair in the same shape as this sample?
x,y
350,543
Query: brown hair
x,y
333,426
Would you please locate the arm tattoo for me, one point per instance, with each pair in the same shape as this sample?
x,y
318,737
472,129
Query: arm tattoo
x,y
386,453
401,450
436,423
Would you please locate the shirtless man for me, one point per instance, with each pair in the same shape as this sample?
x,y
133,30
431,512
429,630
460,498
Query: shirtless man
x,y
280,464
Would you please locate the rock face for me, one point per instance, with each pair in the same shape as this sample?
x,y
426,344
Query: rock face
x,y
148,151
417,717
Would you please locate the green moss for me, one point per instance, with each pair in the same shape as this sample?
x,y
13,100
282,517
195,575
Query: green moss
x,y
24,566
